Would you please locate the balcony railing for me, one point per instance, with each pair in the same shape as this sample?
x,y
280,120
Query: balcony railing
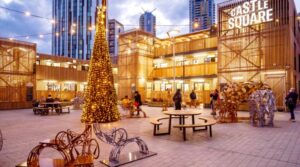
x,y
196,70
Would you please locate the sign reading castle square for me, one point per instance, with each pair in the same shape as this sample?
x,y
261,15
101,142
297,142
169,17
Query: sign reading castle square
x,y
249,13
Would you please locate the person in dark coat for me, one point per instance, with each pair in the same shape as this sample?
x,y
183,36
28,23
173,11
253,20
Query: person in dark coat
x,y
177,98
193,98
49,100
291,102
137,101
214,99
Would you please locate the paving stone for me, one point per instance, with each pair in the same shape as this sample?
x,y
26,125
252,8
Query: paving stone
x,y
237,144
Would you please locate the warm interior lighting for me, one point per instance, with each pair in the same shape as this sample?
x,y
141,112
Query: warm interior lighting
x,y
50,81
74,25
57,34
197,80
11,39
69,82
275,72
237,78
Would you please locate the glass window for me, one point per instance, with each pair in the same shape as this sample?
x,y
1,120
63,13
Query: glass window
x,y
198,86
163,87
206,86
69,87
156,86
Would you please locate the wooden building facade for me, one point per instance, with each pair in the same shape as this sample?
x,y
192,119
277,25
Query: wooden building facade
x,y
147,64
266,50
17,74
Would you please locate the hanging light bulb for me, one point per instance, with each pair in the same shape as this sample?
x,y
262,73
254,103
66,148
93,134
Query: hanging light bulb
x,y
27,14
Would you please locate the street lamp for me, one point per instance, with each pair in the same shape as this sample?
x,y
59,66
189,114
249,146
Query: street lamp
x,y
171,34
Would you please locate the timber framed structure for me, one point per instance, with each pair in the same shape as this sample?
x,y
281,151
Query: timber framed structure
x,y
264,52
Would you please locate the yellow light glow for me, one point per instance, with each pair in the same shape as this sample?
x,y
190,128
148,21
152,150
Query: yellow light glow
x,y
196,25
50,81
237,78
197,80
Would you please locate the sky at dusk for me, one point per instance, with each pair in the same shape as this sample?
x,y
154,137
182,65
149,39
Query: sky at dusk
x,y
168,12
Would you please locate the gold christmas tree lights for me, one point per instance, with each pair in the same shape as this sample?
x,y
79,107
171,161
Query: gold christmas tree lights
x,y
100,95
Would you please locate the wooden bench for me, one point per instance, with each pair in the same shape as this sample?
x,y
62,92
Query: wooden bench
x,y
156,122
45,110
207,124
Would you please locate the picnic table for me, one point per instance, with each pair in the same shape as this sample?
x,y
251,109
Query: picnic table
x,y
182,114
46,107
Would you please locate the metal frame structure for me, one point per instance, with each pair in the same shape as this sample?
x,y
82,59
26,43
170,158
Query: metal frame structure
x,y
70,145
119,139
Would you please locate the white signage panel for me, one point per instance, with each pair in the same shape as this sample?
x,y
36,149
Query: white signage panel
x,y
249,13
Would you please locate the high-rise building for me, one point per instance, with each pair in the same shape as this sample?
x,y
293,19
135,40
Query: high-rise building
x,y
115,28
73,31
148,22
202,14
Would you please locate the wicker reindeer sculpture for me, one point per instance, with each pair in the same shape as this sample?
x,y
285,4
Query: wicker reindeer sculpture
x,y
262,103
234,94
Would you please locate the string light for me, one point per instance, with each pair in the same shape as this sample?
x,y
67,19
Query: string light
x,y
27,14
52,21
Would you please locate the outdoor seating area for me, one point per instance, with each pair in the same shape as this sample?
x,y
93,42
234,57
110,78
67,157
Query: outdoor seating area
x,y
207,123
208,148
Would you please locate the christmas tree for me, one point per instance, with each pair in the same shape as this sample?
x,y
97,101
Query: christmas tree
x,y
100,95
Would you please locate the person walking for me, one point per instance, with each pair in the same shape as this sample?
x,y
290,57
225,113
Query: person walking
x,y
291,102
137,101
177,98
193,98
214,99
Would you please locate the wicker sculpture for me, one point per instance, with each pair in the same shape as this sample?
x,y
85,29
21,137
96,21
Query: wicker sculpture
x,y
262,103
234,94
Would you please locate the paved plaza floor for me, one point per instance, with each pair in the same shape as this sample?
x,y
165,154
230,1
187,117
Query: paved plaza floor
x,y
235,144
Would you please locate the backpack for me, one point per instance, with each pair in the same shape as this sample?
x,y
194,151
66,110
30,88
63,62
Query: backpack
x,y
290,102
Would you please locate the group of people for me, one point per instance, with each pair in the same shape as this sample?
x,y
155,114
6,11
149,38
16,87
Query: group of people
x,y
48,102
137,103
291,101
